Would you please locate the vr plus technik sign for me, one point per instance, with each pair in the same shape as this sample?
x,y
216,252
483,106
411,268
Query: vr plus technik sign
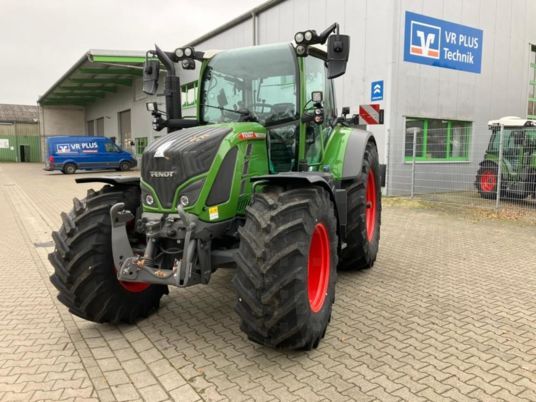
x,y
441,43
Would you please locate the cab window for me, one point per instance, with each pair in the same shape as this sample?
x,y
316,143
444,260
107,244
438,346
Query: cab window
x,y
109,147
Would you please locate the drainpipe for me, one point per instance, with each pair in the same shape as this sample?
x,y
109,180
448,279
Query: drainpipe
x,y
254,27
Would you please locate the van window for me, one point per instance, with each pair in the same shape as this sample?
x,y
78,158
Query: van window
x,y
109,147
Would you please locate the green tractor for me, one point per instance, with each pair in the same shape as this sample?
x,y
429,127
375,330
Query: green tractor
x,y
267,179
518,168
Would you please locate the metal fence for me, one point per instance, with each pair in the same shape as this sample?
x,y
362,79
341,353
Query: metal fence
x,y
455,165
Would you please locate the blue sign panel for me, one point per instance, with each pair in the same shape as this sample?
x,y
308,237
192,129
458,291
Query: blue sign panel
x,y
442,43
376,91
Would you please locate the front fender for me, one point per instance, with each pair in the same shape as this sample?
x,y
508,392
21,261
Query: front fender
x,y
113,180
325,180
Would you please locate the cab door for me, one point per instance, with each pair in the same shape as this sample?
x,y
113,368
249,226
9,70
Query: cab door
x,y
316,135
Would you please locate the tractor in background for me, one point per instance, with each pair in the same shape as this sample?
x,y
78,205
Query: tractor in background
x,y
518,168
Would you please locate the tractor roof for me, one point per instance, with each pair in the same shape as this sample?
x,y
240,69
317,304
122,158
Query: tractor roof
x,y
511,121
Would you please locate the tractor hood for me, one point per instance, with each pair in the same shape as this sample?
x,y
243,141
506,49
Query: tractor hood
x,y
174,158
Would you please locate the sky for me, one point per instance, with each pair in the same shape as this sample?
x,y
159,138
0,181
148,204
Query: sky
x,y
41,39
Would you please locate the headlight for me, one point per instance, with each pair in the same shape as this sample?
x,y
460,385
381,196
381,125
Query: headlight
x,y
300,50
308,36
298,38
179,53
188,52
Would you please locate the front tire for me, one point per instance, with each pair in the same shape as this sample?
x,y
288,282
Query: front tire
x,y
84,271
124,166
364,214
286,267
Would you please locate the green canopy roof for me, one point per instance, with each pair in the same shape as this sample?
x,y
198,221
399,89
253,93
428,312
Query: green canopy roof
x,y
97,73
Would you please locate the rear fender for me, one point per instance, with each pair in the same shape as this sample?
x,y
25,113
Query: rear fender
x,y
324,180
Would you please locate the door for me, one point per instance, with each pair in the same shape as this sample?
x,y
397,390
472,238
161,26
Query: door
x,y
125,130
24,153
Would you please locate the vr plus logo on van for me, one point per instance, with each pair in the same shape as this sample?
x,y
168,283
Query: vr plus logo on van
x,y
63,148
75,147
425,40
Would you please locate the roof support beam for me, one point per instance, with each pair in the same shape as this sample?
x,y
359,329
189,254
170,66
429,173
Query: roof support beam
x,y
117,81
112,71
82,88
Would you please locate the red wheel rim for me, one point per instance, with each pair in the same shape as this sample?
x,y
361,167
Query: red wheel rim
x,y
372,205
488,181
318,268
133,287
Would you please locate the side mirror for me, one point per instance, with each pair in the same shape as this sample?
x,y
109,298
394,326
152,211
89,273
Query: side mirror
x,y
338,51
151,73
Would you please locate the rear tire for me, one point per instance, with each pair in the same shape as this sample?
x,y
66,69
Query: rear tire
x,y
486,182
69,168
84,271
286,267
364,214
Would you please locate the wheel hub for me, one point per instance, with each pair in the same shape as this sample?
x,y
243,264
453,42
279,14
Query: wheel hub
x,y
488,181
318,268
371,204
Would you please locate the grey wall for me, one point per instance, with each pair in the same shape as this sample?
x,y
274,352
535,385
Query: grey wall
x,y
60,120
127,98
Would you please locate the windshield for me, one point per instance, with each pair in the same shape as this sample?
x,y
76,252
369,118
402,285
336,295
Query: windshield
x,y
251,84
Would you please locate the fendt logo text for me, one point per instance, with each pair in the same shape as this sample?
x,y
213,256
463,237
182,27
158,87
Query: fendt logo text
x,y
425,40
161,174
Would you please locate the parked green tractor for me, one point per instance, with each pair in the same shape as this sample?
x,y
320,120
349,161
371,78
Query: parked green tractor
x,y
518,167
267,179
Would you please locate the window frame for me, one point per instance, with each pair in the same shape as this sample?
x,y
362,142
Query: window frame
x,y
186,103
447,159
140,144
532,82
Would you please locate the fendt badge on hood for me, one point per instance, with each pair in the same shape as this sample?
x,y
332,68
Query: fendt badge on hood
x,y
166,174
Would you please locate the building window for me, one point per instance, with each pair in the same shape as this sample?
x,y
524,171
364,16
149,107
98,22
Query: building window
x,y
189,94
531,112
437,139
91,127
141,143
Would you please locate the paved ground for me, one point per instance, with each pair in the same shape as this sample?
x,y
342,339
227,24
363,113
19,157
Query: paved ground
x,y
448,312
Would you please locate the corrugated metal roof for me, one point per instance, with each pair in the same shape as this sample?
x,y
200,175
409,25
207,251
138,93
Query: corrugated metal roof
x,y
19,113
95,74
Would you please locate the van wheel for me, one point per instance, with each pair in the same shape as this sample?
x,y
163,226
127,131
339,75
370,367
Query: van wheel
x,y
124,166
69,168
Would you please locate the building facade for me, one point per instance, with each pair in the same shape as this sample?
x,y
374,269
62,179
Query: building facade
x,y
19,133
440,70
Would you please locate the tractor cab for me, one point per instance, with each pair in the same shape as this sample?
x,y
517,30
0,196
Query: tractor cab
x,y
518,158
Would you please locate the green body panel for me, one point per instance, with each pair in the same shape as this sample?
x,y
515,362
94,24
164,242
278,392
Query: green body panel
x,y
257,164
335,149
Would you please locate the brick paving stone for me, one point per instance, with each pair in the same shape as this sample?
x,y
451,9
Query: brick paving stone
x,y
448,312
